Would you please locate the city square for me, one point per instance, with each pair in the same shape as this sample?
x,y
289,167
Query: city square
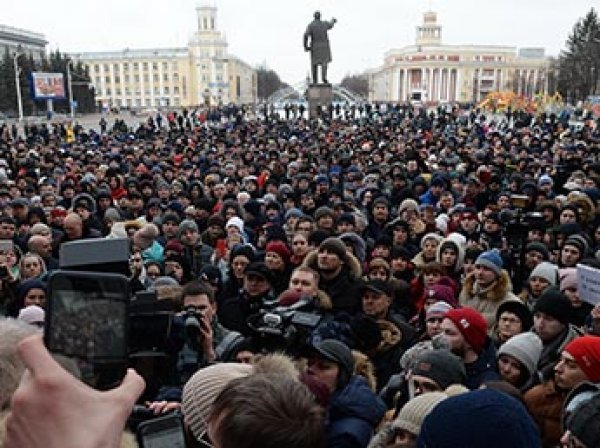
x,y
313,224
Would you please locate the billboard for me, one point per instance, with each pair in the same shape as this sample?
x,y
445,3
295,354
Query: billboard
x,y
48,86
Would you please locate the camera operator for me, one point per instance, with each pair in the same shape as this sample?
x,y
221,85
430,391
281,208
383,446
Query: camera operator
x,y
199,340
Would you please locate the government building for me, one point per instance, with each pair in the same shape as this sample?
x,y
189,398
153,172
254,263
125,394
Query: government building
x,y
201,73
431,72
15,40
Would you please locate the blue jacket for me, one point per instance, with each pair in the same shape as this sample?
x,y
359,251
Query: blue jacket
x,y
354,412
484,369
428,198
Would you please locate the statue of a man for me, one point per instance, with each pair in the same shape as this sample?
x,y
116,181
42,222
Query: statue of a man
x,y
317,42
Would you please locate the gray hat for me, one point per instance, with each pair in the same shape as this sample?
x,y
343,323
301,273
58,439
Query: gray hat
x,y
440,366
547,271
334,245
186,224
323,211
525,348
112,214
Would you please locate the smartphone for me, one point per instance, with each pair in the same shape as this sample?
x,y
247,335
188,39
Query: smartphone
x,y
87,323
162,432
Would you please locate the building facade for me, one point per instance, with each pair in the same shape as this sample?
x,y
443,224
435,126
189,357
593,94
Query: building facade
x,y
431,72
23,41
201,73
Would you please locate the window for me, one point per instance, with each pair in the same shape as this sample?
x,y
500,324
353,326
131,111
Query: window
x,y
118,91
165,76
156,91
165,66
108,92
106,67
176,90
175,77
97,80
116,67
138,102
154,66
155,77
136,78
107,79
96,68
117,79
127,91
136,66
125,67
166,90
145,66
148,103
146,78
126,78
176,102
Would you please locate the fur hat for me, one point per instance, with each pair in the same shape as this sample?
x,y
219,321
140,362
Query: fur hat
x,y
525,348
472,326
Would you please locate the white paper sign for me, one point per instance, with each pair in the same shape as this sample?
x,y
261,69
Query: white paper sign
x,y
588,284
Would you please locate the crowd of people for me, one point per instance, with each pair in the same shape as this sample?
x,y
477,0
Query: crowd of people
x,y
394,278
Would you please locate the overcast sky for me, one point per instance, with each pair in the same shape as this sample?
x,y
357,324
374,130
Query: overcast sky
x,y
270,31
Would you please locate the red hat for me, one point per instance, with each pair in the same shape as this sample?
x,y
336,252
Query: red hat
x,y
471,324
280,248
586,351
441,293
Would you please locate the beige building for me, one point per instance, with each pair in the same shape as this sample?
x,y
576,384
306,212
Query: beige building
x,y
201,73
16,40
432,72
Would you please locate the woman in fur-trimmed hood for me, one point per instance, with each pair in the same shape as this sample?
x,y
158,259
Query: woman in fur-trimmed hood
x,y
487,287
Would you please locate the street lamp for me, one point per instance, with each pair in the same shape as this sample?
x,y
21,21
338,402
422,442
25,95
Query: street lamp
x,y
69,86
18,84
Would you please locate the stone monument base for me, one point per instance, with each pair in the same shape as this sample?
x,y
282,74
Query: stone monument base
x,y
319,95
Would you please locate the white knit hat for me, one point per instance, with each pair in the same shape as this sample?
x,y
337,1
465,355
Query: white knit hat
x,y
413,413
200,392
236,222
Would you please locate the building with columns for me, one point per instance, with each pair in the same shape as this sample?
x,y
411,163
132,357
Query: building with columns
x,y
431,72
201,73
27,42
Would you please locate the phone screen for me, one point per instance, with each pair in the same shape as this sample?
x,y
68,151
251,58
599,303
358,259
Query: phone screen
x,y
162,432
86,322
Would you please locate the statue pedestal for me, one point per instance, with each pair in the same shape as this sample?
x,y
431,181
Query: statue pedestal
x,y
319,95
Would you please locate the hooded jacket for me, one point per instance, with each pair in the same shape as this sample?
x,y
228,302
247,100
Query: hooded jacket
x,y
344,289
484,368
488,300
354,413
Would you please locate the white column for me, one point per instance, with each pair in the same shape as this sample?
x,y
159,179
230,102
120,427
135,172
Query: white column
x,y
406,84
457,96
395,84
448,85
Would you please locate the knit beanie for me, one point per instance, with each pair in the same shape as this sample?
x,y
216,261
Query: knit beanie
x,y
280,248
431,236
358,244
438,309
579,242
480,418
441,366
525,348
334,245
586,351
546,270
555,304
202,389
185,225
491,259
175,246
408,205
568,278
472,326
235,221
583,423
112,214
245,250
215,220
379,263
520,310
413,413
323,211
441,293
538,247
